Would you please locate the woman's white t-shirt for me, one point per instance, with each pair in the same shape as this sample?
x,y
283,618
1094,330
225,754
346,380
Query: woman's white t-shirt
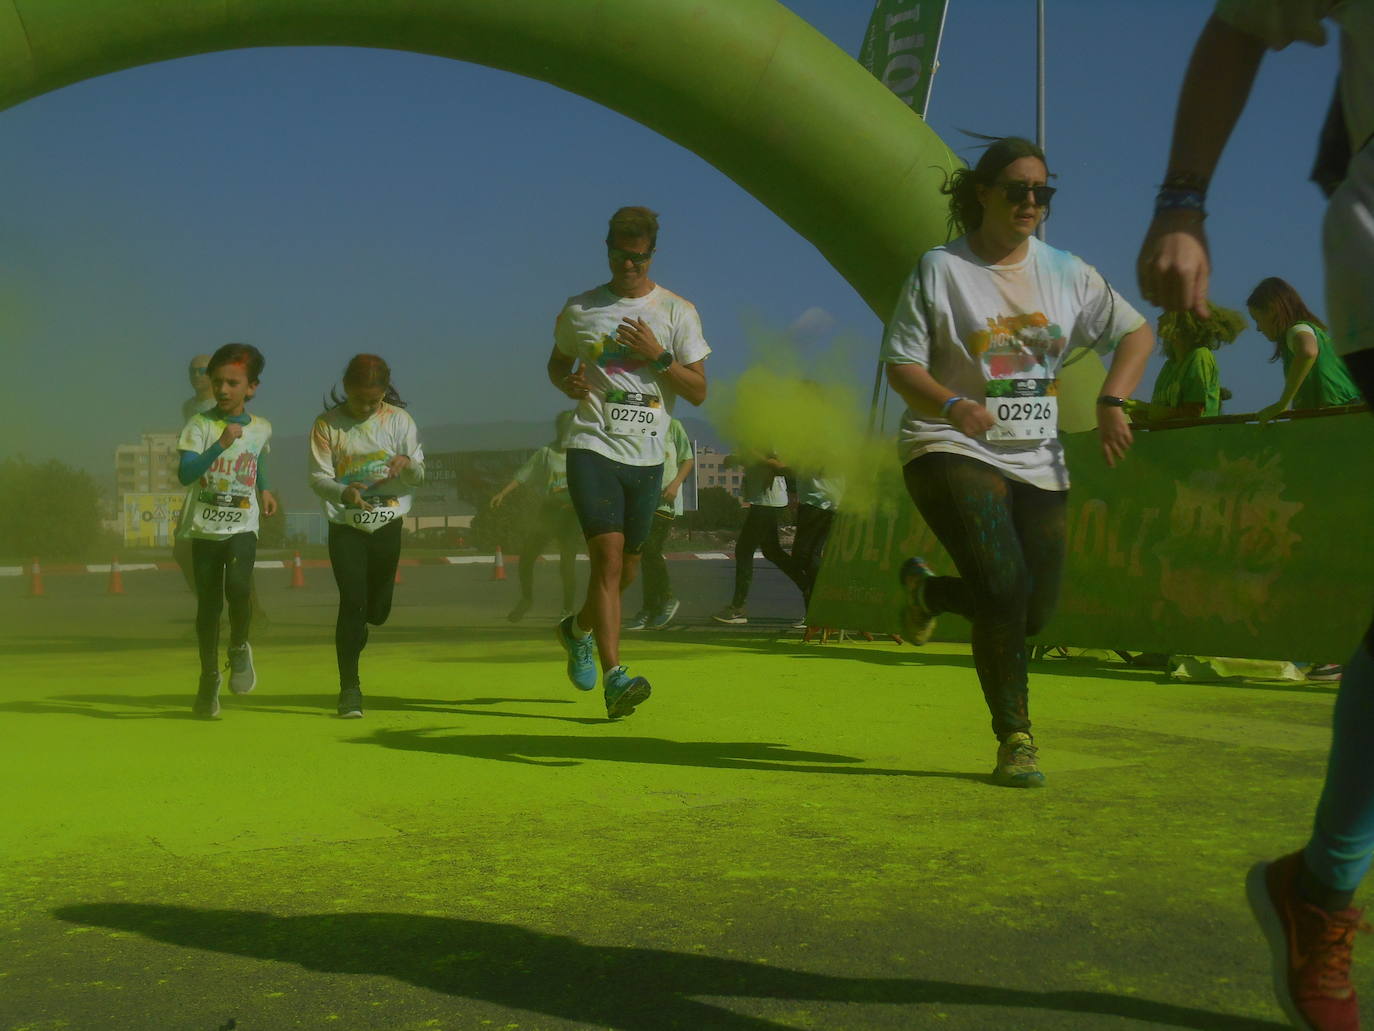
x,y
978,328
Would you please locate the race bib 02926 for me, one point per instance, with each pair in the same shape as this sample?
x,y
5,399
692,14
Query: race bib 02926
x,y
1023,409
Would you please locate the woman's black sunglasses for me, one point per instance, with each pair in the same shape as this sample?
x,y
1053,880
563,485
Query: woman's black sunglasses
x,y
1016,193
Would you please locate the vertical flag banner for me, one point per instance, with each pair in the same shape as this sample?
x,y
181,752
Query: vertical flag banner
x,y
902,46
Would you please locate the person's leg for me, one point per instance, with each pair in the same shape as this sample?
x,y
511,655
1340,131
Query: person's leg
x,y
241,551
813,527
569,544
531,544
750,533
348,560
207,563
599,501
181,555
968,506
772,547
616,557
1041,524
383,556
655,567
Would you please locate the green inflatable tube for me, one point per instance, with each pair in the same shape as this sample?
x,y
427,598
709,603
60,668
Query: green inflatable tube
x,y
745,84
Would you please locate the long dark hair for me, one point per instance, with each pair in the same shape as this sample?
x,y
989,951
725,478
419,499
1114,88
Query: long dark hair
x,y
1277,297
366,370
965,210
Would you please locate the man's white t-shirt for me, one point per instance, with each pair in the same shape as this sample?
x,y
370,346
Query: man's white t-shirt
x,y
346,451
625,417
224,501
970,324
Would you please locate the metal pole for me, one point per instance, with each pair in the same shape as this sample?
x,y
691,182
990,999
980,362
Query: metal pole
x,y
1040,86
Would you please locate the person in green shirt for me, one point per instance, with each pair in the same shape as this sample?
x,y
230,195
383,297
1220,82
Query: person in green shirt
x,y
1313,375
1189,384
659,604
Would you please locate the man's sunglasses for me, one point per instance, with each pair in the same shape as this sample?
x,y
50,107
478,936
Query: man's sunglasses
x,y
617,255
1016,193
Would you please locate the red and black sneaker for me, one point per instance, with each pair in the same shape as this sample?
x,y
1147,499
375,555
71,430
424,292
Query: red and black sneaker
x,y
1311,948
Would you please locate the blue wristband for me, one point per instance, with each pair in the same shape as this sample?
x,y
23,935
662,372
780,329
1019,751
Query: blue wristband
x,y
944,408
1180,200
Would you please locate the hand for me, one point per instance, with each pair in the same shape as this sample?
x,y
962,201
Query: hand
x,y
498,498
970,418
639,338
353,498
232,432
395,465
269,504
575,385
1270,413
1174,266
670,493
1115,432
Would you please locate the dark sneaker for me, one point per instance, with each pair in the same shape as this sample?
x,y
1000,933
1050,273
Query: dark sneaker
x,y
242,676
206,705
1327,672
624,692
522,606
731,615
350,703
918,622
639,621
1310,948
660,619
1016,766
581,655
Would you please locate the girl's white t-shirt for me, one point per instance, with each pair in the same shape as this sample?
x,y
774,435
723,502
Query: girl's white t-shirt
x,y
970,323
224,501
345,451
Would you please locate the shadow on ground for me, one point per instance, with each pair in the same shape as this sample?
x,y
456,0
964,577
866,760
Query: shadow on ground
x,y
638,989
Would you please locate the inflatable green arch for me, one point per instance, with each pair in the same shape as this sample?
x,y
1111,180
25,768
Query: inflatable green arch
x,y
745,84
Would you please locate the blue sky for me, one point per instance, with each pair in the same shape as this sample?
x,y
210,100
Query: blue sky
x,y
321,202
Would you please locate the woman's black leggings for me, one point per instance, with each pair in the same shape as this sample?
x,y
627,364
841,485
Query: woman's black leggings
x,y
222,570
365,570
760,531
1007,542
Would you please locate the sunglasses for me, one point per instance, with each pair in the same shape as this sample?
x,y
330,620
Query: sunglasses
x,y
1016,193
617,255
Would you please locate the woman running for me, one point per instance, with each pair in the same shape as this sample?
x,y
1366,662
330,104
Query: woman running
x,y
978,334
1313,376
222,462
365,461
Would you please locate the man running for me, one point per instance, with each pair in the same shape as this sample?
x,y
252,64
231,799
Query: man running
x,y
637,347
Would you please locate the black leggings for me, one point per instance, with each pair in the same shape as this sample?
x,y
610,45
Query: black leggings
x,y
223,570
813,529
1007,541
760,530
365,570
657,588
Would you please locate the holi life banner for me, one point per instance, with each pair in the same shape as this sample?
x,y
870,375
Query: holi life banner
x,y
901,47
1236,540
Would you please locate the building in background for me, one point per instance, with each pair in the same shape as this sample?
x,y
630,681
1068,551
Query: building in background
x,y
711,472
148,467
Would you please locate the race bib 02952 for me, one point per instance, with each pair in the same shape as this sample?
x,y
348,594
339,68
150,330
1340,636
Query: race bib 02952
x,y
632,414
1023,409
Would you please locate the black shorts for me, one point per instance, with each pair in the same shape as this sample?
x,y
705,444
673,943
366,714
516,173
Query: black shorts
x,y
612,497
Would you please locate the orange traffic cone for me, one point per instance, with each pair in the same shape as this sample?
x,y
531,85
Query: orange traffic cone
x,y
498,571
398,574
116,578
35,579
297,572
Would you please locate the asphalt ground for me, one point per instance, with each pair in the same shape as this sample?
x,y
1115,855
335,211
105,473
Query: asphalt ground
x,y
785,835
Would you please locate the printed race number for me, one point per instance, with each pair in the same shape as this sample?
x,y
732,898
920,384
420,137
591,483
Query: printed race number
x,y
222,516
371,519
630,414
1023,409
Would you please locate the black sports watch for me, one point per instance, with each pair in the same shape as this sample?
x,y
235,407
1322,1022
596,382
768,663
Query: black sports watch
x,y
1106,400
663,362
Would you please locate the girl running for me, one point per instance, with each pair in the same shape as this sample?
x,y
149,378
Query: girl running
x,y
365,461
1313,376
222,462
978,333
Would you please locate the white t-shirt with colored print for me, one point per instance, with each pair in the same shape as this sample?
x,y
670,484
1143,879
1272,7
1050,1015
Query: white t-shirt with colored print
x,y
970,324
625,416
224,501
345,451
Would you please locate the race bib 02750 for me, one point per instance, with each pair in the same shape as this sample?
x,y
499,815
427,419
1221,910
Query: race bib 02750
x,y
632,414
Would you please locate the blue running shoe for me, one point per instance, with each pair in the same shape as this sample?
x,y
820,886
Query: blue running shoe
x,y
581,655
624,692
918,622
